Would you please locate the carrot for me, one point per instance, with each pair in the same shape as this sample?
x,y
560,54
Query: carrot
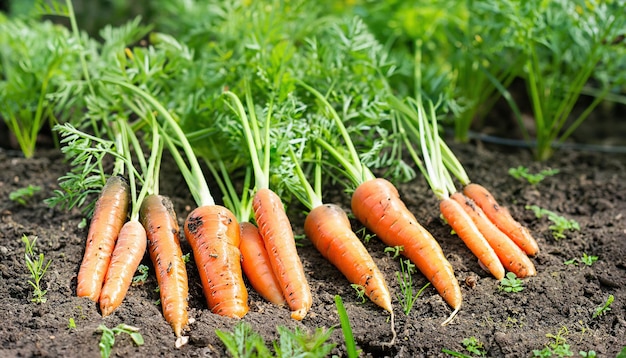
x,y
213,233
377,205
256,265
277,235
329,229
512,257
109,216
502,218
466,229
128,253
159,219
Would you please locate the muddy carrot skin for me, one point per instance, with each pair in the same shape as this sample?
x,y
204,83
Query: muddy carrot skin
x,y
329,229
214,235
462,224
277,235
502,218
128,253
159,219
377,205
256,265
109,216
511,256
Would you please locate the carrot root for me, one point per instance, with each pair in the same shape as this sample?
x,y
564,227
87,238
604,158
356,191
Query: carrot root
x,y
279,240
214,235
502,218
329,229
159,219
109,216
377,205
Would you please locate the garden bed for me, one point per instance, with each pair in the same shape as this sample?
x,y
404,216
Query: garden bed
x,y
555,307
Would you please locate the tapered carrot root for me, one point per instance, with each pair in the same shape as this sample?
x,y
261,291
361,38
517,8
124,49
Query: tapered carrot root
x,y
159,219
109,216
502,218
214,235
256,265
328,228
377,205
511,256
465,228
277,235
128,253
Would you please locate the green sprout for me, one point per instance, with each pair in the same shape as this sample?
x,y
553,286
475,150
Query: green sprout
x,y
560,224
511,283
474,346
360,291
557,348
396,250
22,195
521,172
590,354
408,297
604,308
37,266
71,324
142,277
586,259
108,337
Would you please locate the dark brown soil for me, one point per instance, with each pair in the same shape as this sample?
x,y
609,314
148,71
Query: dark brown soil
x,y
561,299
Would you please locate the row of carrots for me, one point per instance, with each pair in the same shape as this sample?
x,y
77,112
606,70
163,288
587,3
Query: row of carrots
x,y
256,238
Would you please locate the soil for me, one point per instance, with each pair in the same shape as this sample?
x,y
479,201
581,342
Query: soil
x,y
559,301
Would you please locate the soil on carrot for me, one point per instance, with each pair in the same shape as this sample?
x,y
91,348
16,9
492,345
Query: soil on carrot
x,y
558,303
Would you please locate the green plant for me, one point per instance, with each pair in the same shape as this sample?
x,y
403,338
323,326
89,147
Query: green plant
x,y
71,324
603,308
511,283
346,328
37,266
107,340
558,347
559,223
589,354
586,259
245,342
22,195
474,346
142,277
521,172
408,296
360,291
396,250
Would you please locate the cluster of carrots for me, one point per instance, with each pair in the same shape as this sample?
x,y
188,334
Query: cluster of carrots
x,y
228,244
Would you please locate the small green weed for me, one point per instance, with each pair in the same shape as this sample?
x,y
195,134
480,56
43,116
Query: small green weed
x,y
108,337
37,267
396,250
521,172
23,195
71,324
474,346
405,278
511,283
560,224
140,279
585,259
558,347
360,291
604,308
590,354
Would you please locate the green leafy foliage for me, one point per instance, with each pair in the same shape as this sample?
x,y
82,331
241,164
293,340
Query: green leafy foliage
x,y
107,340
604,308
23,195
408,295
37,266
474,346
585,259
511,283
141,278
522,172
559,223
558,347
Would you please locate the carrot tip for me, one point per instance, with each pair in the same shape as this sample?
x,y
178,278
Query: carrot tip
x,y
449,319
299,314
181,341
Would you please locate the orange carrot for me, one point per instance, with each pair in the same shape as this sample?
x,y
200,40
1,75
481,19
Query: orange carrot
x,y
502,218
256,265
213,233
329,229
465,228
159,219
128,253
109,216
512,257
377,205
277,235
